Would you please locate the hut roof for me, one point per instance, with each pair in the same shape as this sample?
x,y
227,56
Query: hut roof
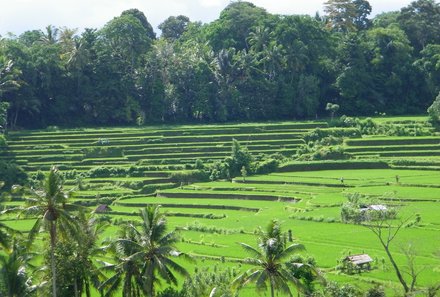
x,y
375,207
359,259
102,208
378,207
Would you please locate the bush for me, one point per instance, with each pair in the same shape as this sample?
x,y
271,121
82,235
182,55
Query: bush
x,y
189,176
376,291
150,189
107,172
333,289
96,152
318,134
199,164
3,142
434,110
325,153
11,174
332,165
219,170
266,166
240,157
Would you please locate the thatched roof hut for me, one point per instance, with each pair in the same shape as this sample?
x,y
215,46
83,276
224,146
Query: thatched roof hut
x,y
359,260
102,208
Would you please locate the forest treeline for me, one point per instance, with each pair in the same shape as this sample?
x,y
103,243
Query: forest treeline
x,y
246,65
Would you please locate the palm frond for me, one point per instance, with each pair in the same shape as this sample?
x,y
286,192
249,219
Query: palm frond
x,y
176,267
288,251
34,231
252,251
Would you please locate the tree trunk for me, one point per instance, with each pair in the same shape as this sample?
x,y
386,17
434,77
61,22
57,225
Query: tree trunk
x,y
88,289
14,121
53,234
396,269
272,291
75,287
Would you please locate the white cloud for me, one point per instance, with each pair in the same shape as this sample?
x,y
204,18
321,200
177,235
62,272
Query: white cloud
x,y
212,3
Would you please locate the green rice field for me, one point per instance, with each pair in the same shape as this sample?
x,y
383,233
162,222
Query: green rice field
x,y
129,168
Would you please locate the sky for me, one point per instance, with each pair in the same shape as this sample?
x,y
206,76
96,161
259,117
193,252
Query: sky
x,y
17,16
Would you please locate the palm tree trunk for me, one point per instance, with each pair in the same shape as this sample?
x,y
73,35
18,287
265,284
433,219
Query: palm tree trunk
x,y
272,291
88,289
75,288
152,285
53,234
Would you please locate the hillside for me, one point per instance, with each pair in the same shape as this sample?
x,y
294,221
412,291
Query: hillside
x,y
129,168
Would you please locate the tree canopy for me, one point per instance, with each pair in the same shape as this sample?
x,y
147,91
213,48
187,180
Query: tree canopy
x,y
247,65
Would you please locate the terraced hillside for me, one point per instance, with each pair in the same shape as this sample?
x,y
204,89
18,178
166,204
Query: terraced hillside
x,y
129,168
84,149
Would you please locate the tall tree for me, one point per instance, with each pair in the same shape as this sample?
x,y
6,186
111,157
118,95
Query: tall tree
x,y
142,19
347,15
421,22
85,251
8,76
14,272
173,27
50,206
271,263
50,36
8,82
146,252
234,25
386,231
429,64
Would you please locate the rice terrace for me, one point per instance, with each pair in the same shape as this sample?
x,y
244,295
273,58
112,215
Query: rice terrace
x,y
130,168
259,153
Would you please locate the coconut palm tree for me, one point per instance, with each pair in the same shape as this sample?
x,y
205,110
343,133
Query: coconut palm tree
x,y
126,270
5,234
8,76
14,280
89,231
271,263
51,208
144,256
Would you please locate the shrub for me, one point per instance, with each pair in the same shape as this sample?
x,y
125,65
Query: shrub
x,y
96,152
199,164
266,166
376,291
333,289
434,110
11,174
107,172
52,128
332,165
189,176
318,134
219,170
150,189
240,156
3,142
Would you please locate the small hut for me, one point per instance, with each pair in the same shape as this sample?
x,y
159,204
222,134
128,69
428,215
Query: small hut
x,y
102,208
358,262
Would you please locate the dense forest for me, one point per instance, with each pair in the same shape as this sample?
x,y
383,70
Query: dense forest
x,y
248,65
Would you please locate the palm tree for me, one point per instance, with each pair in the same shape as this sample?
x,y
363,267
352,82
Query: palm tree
x,y
126,270
14,281
89,231
50,37
8,76
144,255
51,208
271,261
9,81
